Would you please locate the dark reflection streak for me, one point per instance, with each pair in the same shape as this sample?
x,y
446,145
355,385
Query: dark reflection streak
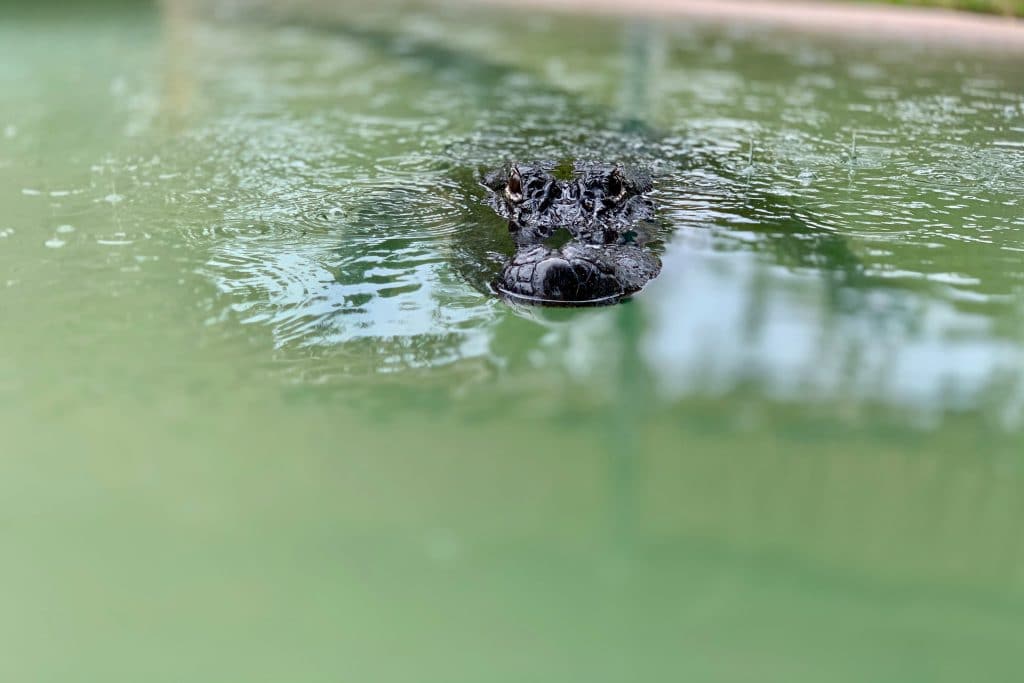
x,y
642,41
626,433
633,385
178,25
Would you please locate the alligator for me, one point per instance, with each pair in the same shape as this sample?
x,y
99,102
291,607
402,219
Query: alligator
x,y
601,211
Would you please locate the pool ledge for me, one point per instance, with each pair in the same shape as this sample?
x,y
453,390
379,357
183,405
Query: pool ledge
x,y
873,22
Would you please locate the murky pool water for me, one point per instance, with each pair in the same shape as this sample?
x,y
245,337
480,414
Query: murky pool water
x,y
262,421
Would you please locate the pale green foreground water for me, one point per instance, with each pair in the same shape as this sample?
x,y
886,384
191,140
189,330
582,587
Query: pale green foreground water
x,y
261,421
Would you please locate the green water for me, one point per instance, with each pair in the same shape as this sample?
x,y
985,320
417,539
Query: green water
x,y
261,420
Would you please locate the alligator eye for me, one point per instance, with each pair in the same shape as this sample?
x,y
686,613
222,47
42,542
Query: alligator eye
x,y
514,187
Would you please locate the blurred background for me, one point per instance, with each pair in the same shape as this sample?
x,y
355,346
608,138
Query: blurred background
x,y
261,418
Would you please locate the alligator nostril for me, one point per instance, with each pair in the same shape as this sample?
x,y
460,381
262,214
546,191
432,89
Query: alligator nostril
x,y
615,186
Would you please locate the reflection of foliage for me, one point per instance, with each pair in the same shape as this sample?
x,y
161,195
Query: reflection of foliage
x,y
799,246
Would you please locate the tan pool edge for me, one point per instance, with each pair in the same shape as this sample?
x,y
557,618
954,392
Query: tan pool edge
x,y
877,22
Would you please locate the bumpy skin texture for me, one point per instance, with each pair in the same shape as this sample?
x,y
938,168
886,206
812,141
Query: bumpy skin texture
x,y
604,209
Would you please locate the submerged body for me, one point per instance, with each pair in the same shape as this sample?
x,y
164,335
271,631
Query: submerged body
x,y
604,213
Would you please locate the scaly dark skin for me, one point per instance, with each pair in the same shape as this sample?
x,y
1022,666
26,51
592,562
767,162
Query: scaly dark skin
x,y
603,209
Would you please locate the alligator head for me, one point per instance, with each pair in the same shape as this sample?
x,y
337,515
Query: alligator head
x,y
604,214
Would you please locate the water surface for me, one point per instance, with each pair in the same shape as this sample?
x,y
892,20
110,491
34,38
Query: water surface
x,y
263,420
